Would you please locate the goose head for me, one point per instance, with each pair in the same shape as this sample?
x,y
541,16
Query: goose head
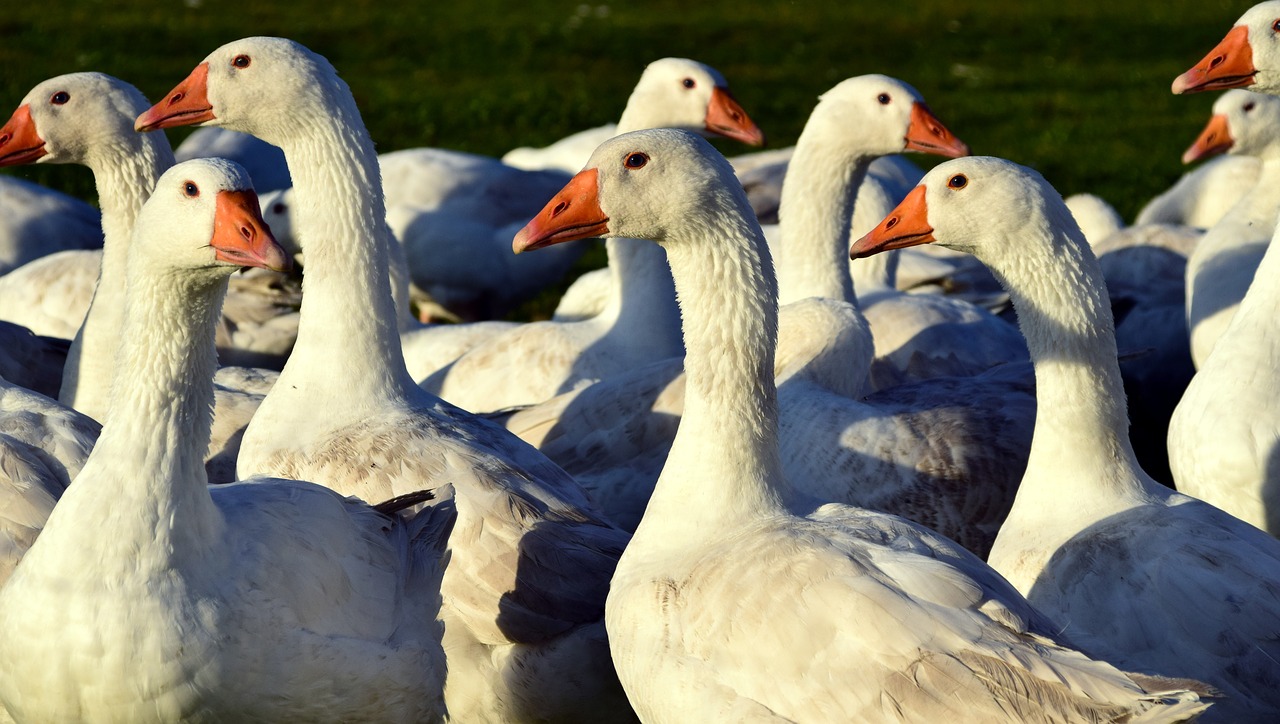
x,y
1249,56
1243,123
65,119
683,93
651,184
203,218
981,205
876,115
253,85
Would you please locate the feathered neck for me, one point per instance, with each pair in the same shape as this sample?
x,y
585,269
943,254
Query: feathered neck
x,y
347,330
814,214
145,479
1081,459
723,466
125,172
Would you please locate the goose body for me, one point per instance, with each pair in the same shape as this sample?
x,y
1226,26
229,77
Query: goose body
x,y
270,600
725,606
529,557
36,221
1093,541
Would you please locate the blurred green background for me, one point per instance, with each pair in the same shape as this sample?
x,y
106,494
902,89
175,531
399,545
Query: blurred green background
x,y
1079,90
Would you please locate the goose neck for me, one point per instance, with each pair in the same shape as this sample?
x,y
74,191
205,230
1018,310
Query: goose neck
x,y
1250,334
348,325
723,467
642,303
1081,432
146,473
814,214
125,173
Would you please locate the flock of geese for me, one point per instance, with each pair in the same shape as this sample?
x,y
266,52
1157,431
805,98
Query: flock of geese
x,y
759,468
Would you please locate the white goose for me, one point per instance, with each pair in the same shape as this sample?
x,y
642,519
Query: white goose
x,y
727,607
1200,197
1142,575
1221,266
87,119
529,559
150,595
36,221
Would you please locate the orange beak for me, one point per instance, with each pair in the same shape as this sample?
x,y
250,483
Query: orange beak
x,y
186,105
907,225
726,118
1230,65
574,213
1214,139
927,134
241,237
19,141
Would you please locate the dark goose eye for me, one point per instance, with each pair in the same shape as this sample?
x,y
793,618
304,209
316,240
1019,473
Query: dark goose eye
x,y
884,99
958,181
240,61
689,83
60,97
636,160
190,189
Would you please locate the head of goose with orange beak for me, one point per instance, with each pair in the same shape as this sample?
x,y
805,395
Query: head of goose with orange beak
x,y
647,184
877,115
203,217
683,93
252,85
69,118
973,204
1247,57
1243,123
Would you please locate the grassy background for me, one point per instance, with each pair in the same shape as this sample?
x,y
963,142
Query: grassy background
x,y
1078,90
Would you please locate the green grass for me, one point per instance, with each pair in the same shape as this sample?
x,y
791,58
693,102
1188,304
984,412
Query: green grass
x,y
1078,90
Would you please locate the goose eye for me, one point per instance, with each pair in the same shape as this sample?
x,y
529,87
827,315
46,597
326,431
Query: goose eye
x,y
689,82
1275,27
190,189
636,160
240,61
958,181
60,97
884,99
278,208
1248,107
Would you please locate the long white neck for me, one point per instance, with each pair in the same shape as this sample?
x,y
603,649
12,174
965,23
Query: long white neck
x,y
1251,218
641,308
814,214
348,347
125,173
146,473
723,466
1249,342
1080,450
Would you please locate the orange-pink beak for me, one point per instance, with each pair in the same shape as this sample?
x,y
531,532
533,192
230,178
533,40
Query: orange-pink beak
x,y
574,213
726,118
1214,139
186,105
19,141
1229,65
907,225
927,134
241,237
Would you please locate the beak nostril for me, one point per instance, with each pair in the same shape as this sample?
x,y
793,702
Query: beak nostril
x,y
1217,61
892,222
176,97
5,139
560,208
247,233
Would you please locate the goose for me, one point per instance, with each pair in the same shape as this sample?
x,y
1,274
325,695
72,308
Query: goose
x,y
264,162
1097,218
1221,266
272,599
529,555
50,295
1144,576
726,605
36,221
87,119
